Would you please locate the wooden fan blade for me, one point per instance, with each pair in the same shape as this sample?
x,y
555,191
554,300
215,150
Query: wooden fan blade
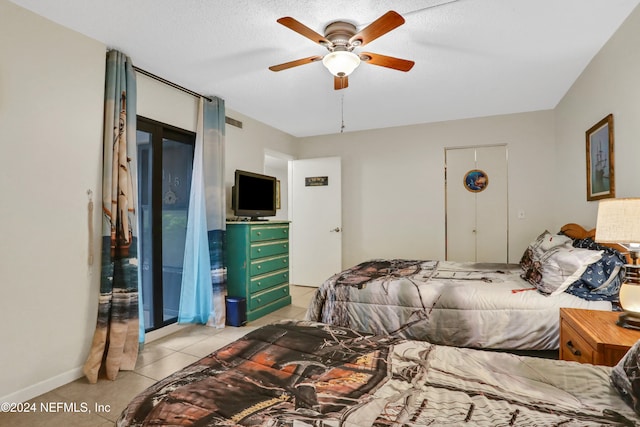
x,y
302,29
295,63
340,82
377,28
387,61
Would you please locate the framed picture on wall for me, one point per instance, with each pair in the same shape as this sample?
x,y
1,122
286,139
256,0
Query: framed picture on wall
x,y
600,170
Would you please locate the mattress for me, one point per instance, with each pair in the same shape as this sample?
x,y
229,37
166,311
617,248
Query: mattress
x,y
475,305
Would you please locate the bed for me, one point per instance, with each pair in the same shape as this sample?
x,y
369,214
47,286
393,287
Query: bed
x,y
300,373
476,305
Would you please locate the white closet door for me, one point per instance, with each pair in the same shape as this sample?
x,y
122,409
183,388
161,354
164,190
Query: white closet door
x,y
460,207
491,206
477,221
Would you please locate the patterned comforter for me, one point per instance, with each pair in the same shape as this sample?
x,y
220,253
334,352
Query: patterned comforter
x,y
449,303
308,374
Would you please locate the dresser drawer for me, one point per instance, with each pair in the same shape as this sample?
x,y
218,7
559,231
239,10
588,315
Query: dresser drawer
x,y
260,250
260,283
260,299
257,254
573,346
260,234
266,265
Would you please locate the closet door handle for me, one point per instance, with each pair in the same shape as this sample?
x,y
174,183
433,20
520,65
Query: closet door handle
x,y
573,350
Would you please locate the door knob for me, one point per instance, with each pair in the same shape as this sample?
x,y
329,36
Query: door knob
x,y
335,230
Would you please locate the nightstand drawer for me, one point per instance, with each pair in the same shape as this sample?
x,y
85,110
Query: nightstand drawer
x,y
263,298
259,234
267,265
266,281
573,346
260,250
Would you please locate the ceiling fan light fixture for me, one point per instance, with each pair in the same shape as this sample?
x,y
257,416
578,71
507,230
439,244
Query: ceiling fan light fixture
x,y
341,63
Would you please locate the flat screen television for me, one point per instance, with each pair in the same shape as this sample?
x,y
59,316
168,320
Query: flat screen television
x,y
253,195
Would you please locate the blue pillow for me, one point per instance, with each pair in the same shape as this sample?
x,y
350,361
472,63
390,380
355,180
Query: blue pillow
x,y
601,280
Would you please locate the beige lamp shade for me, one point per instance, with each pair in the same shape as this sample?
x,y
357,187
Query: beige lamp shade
x,y
618,221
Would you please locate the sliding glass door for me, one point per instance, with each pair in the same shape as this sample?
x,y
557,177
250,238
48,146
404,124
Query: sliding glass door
x,y
165,159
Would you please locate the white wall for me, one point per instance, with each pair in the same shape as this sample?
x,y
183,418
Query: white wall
x,y
51,111
277,164
165,104
393,182
51,106
610,84
245,147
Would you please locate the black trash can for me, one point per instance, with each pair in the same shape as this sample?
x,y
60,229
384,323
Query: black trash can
x,y
236,311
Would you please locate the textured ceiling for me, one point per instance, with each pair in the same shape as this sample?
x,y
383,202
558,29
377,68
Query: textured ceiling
x,y
473,58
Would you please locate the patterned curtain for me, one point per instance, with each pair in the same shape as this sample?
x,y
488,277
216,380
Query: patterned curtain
x,y
204,272
115,341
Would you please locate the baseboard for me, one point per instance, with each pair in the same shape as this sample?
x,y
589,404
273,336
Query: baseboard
x,y
52,383
42,387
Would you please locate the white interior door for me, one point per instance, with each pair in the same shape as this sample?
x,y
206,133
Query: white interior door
x,y
316,220
477,220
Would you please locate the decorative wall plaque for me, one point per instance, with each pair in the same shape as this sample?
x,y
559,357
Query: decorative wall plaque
x,y
316,181
476,180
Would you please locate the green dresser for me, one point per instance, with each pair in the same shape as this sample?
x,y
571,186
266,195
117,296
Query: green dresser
x,y
258,265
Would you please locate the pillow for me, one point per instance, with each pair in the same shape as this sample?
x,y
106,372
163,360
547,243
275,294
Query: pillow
x,y
530,261
625,377
601,280
531,253
565,265
550,241
554,269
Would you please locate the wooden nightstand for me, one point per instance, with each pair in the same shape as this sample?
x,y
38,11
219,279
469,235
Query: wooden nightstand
x,y
592,336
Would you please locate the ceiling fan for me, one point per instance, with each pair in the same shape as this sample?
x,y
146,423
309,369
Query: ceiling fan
x,y
341,38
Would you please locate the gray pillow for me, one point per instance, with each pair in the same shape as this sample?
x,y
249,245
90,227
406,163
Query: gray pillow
x,y
552,264
625,377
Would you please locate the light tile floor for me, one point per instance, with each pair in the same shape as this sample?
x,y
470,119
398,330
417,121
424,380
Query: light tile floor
x,y
106,399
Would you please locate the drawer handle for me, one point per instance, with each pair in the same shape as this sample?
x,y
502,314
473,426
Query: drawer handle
x,y
573,350
285,231
284,290
259,300
284,260
258,233
259,283
284,246
259,250
259,267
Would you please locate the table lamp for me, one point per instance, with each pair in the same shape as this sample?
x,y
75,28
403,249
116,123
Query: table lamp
x,y
619,222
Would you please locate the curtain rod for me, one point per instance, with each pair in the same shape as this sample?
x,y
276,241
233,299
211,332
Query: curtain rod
x,y
168,83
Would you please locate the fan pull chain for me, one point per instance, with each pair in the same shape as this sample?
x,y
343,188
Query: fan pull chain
x,y
342,112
